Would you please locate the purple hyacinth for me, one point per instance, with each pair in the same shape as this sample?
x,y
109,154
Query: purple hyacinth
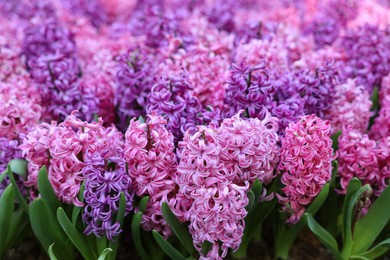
x,y
325,31
317,88
250,88
9,150
171,98
105,180
134,82
48,37
367,52
92,9
221,14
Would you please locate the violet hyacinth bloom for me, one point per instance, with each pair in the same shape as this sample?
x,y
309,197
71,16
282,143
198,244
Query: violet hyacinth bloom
x,y
9,150
105,179
306,164
171,98
250,88
381,127
317,88
325,31
134,82
151,161
92,9
367,52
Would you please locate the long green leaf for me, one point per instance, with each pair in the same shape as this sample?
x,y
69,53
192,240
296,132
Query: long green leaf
x,y
46,191
3,175
251,203
119,218
19,166
47,229
370,226
136,234
348,213
51,253
76,210
167,247
257,188
7,203
78,240
324,236
18,224
18,194
377,251
178,228
104,254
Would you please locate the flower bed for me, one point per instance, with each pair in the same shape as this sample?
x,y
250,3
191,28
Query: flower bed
x,y
194,129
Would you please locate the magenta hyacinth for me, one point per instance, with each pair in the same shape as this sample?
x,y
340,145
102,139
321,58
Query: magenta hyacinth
x,y
305,164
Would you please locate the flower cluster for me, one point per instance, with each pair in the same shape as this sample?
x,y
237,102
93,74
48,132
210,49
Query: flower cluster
x,y
151,160
305,164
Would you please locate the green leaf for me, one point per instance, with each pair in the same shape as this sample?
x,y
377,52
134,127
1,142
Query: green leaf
x,y
374,99
18,224
206,247
143,203
7,203
167,247
377,251
119,218
78,240
3,175
257,188
19,166
76,210
335,139
178,228
324,236
286,238
51,253
104,254
46,191
18,194
47,229
136,234
251,198
354,190
370,226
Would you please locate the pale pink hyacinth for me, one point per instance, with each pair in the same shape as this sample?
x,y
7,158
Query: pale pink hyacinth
x,y
384,92
35,148
19,108
306,164
69,141
207,197
249,147
351,107
272,51
383,178
151,160
357,157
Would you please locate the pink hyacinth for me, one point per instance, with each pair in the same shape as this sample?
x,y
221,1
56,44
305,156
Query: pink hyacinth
x,y
249,148
351,107
70,140
35,148
149,152
357,157
207,197
19,109
306,157
364,158
381,127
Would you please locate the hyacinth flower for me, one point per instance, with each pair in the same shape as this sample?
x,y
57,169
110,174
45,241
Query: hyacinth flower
x,y
351,107
105,179
134,83
305,164
207,197
50,52
250,88
363,158
381,127
249,148
367,51
171,97
151,162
